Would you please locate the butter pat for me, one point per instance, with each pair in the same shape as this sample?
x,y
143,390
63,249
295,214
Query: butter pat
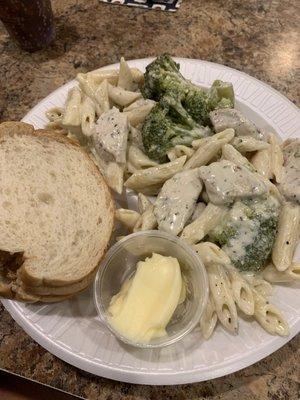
x,y
145,304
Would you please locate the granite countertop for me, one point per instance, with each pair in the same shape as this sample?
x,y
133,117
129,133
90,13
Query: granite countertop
x,y
259,37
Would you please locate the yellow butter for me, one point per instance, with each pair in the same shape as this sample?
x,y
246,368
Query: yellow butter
x,y
145,304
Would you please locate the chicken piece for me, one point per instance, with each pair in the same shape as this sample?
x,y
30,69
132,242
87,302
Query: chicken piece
x,y
110,137
225,182
176,201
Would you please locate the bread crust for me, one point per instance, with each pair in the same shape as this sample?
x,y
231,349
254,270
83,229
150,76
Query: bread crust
x,y
43,286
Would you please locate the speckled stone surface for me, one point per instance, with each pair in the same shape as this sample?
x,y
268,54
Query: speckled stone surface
x,y
259,37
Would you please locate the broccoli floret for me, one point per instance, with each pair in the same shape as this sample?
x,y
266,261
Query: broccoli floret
x,y
248,232
220,95
195,103
164,83
162,76
160,133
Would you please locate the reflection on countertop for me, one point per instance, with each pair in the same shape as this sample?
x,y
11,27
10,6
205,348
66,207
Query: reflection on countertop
x,y
258,37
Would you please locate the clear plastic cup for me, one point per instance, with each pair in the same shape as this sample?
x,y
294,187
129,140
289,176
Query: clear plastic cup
x,y
120,264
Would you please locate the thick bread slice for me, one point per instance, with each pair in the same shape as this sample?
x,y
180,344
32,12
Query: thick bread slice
x,y
54,206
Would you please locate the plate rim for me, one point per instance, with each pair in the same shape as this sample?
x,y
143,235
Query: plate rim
x,y
149,377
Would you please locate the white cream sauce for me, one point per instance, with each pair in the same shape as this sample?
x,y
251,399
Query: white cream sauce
x,y
290,187
176,201
110,138
226,182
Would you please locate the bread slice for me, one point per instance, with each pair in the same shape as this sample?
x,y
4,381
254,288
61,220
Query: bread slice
x,y
55,208
59,290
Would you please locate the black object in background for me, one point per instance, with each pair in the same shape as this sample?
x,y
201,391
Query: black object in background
x,y
29,22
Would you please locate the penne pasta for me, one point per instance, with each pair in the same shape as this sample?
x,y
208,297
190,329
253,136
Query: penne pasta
x,y
101,98
125,79
276,158
127,217
287,236
138,159
261,161
99,75
292,274
147,220
209,319
245,144
122,97
88,114
269,317
208,220
180,150
263,287
200,207
154,176
209,148
138,111
55,114
143,203
211,253
222,297
72,117
241,290
229,153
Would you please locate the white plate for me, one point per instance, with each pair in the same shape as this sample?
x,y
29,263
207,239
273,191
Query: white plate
x,y
70,329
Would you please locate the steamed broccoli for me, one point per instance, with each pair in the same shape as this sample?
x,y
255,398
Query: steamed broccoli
x,y
248,232
220,95
160,133
187,103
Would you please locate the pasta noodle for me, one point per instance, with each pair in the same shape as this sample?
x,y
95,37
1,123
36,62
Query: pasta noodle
x,y
121,96
127,217
125,79
55,114
269,317
229,153
147,220
72,118
222,297
263,287
262,163
138,111
292,274
180,150
143,203
241,290
88,114
211,253
208,219
287,236
276,158
101,98
154,176
138,159
209,149
246,144
209,319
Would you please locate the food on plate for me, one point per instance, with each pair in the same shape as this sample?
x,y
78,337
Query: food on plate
x,y
247,232
176,201
146,302
290,182
56,215
201,170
